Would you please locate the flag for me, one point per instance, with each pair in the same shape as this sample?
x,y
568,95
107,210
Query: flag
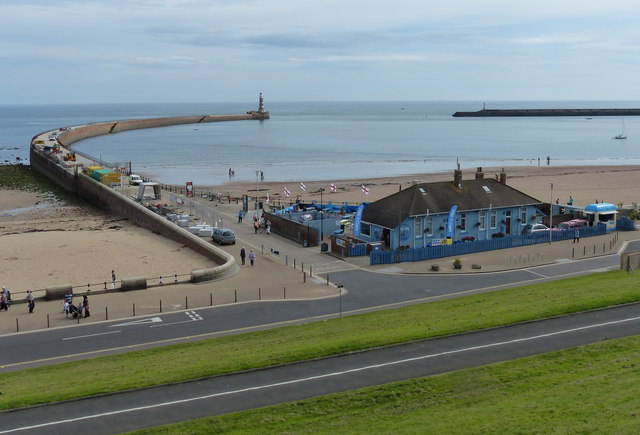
x,y
365,190
303,186
286,192
334,188
267,199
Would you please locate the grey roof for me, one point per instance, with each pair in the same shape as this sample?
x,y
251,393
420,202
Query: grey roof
x,y
436,198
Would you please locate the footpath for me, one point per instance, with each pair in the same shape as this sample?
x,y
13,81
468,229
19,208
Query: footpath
x,y
283,270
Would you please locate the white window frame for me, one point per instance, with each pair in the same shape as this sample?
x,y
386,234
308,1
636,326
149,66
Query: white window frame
x,y
493,219
419,227
482,219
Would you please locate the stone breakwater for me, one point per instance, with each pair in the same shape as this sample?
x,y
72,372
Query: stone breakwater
x,y
547,112
78,133
69,177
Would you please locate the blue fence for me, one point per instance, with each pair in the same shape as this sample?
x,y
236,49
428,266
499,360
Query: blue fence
x,y
356,250
624,224
433,252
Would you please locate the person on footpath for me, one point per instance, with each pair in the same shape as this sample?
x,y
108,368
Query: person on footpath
x,y
256,226
240,217
252,257
4,303
243,254
85,306
6,293
576,236
31,301
113,279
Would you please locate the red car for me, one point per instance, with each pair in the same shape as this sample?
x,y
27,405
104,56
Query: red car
x,y
572,224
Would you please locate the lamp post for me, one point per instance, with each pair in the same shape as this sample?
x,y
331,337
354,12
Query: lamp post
x,y
321,226
551,211
257,173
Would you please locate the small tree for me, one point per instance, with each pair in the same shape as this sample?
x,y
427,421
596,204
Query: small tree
x,y
457,263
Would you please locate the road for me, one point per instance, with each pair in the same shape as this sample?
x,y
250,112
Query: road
x,y
120,412
365,291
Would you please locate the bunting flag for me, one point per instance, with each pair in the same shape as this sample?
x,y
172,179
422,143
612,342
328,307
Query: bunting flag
x,y
267,200
365,190
334,188
286,192
303,186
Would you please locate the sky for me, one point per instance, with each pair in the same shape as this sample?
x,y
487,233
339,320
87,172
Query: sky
x,y
125,51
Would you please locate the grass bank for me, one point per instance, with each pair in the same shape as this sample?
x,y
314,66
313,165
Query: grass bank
x,y
589,389
258,349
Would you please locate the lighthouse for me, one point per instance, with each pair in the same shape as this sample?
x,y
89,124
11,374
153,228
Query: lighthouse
x,y
260,113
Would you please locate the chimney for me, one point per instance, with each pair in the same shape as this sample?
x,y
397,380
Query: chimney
x,y
503,177
457,178
479,173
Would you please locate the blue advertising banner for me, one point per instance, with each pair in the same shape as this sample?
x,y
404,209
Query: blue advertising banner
x,y
357,220
451,221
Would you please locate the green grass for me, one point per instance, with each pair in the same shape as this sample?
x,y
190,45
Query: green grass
x,y
238,352
588,389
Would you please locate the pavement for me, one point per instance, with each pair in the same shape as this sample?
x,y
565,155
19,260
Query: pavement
x,y
284,269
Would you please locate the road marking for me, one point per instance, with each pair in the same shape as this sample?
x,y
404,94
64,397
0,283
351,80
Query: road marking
x,y
193,317
90,335
139,322
536,273
323,376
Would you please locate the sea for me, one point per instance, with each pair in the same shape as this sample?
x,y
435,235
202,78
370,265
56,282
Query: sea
x,y
330,140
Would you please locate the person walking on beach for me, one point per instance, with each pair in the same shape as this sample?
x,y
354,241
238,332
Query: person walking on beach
x,y
113,279
31,302
252,257
243,254
85,306
576,236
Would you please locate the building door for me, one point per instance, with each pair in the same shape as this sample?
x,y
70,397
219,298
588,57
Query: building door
x,y
507,230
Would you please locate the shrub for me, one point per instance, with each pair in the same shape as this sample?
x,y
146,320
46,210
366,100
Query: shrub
x,y
457,263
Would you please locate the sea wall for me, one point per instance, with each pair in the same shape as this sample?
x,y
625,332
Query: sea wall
x,y
102,128
69,177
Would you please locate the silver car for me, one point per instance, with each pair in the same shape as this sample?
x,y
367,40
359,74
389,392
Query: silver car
x,y
534,228
224,235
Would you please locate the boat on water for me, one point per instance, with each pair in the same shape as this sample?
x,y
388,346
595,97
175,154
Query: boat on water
x,y
622,134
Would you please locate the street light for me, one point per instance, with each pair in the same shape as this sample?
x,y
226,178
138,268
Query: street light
x,y
321,226
257,173
551,211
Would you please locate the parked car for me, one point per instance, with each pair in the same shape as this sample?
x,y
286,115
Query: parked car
x,y
135,179
572,224
534,228
224,235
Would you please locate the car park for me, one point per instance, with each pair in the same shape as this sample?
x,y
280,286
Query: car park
x,y
534,228
224,236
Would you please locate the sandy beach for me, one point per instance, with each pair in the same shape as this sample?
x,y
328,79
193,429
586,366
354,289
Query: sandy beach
x,y
48,243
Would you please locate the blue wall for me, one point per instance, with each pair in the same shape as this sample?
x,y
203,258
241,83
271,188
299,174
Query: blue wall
x,y
419,231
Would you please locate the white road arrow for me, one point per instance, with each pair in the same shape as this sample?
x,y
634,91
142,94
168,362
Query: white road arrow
x,y
139,322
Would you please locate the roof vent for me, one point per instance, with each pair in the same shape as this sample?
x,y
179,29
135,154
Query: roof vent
x,y
486,189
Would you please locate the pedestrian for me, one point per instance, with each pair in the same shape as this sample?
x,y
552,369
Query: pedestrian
x,y
4,303
243,254
576,236
7,293
240,217
113,279
570,200
252,257
256,226
267,225
548,160
31,301
85,306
